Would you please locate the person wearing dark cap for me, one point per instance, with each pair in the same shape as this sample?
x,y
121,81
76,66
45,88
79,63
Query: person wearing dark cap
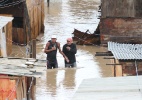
x,y
51,51
69,49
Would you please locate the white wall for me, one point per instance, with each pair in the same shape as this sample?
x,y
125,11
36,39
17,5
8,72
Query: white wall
x,y
3,43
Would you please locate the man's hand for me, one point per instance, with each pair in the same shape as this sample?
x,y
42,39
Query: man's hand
x,y
53,48
66,58
68,48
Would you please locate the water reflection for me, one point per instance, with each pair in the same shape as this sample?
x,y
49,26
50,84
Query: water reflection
x,y
78,8
69,78
51,81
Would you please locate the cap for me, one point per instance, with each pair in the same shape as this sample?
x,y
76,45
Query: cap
x,y
53,36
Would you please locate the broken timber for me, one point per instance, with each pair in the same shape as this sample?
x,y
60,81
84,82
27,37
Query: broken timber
x,y
103,54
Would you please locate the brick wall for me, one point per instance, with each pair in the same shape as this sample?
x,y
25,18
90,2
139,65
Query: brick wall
x,y
122,30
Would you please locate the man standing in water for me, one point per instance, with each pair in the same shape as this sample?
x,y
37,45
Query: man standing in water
x,y
69,49
51,51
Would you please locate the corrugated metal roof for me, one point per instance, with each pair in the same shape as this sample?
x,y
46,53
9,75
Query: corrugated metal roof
x,y
125,51
4,20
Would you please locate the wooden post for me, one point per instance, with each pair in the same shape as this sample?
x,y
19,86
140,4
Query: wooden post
x,y
34,80
28,85
48,1
122,70
33,49
114,68
30,95
31,88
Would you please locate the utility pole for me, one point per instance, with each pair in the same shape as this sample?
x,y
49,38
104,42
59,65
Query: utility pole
x,y
33,49
31,81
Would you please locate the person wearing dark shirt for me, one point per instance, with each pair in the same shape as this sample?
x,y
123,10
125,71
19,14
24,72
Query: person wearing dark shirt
x,y
51,51
69,49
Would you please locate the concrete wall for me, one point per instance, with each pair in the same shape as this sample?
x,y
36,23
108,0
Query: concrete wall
x,y
121,21
118,8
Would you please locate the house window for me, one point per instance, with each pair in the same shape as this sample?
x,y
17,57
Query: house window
x,y
17,22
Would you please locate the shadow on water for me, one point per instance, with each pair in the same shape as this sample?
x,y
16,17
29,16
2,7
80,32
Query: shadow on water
x,y
51,81
69,78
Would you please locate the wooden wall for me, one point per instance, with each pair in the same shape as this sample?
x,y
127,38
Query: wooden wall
x,y
18,36
33,22
9,38
35,17
31,13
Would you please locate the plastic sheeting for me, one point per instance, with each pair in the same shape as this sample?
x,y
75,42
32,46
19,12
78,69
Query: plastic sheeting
x,y
7,89
4,20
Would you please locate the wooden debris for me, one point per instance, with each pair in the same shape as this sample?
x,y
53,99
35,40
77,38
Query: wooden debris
x,y
84,38
29,63
20,67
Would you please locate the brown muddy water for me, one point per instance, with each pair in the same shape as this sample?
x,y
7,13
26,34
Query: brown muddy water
x,y
61,18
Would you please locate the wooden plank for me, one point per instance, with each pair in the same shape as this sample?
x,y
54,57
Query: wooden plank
x,y
9,38
109,58
103,54
9,77
24,87
28,75
113,64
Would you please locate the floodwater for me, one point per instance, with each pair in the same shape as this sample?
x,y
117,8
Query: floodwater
x,y
61,18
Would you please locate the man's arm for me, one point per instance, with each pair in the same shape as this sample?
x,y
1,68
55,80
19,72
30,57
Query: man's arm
x,y
60,50
66,58
46,48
